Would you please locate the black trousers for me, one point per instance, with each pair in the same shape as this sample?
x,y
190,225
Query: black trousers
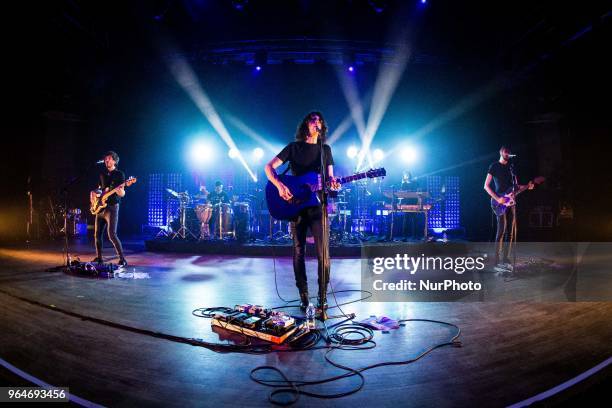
x,y
504,228
308,218
109,217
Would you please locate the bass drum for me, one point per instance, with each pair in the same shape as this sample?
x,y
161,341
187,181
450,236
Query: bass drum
x,y
242,220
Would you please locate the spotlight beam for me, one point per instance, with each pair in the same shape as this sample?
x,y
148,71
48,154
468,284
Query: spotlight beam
x,y
187,79
465,105
351,94
462,164
340,130
247,130
388,77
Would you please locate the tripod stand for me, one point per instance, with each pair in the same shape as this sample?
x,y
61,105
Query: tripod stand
x,y
183,232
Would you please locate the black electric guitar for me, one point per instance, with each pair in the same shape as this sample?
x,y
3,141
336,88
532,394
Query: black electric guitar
x,y
98,203
510,195
304,189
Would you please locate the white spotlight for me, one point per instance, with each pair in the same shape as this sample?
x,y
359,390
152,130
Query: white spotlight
x,y
351,152
378,154
409,154
258,153
232,153
201,153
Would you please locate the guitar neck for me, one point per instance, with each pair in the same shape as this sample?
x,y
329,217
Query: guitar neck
x,y
354,177
114,190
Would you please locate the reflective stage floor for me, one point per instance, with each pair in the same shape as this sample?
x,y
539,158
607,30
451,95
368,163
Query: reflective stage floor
x,y
117,342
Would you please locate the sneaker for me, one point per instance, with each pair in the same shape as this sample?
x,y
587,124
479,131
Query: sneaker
x,y
122,263
502,268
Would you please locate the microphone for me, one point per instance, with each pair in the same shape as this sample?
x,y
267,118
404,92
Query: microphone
x,y
512,155
100,162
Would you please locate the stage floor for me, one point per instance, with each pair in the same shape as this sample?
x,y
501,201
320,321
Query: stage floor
x,y
84,333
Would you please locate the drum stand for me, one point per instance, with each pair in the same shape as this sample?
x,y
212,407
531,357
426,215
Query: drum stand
x,y
219,232
183,231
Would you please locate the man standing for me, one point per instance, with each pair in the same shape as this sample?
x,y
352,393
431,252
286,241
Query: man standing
x,y
304,156
502,174
109,179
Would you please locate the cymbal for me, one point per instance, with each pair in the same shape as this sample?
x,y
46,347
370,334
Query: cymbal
x,y
172,192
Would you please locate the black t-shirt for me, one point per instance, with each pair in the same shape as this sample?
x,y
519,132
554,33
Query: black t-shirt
x,y
111,180
501,176
305,157
216,198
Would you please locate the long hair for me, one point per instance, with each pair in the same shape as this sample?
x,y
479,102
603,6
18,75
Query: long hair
x,y
302,131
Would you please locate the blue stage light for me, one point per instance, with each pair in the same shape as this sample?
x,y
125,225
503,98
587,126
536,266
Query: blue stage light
x,y
258,153
378,154
201,153
409,154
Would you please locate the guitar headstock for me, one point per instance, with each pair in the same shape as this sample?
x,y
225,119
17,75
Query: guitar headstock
x,y
373,173
131,180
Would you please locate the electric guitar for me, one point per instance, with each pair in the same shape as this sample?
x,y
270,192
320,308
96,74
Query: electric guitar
x,y
304,189
500,209
98,203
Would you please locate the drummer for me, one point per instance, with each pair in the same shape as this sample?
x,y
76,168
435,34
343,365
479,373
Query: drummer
x,y
218,196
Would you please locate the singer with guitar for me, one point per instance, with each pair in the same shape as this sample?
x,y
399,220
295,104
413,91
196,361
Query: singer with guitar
x,y
304,157
503,194
111,178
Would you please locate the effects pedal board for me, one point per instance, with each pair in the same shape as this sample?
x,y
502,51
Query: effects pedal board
x,y
255,321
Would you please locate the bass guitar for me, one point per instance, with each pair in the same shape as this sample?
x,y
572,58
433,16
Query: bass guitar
x,y
304,189
99,203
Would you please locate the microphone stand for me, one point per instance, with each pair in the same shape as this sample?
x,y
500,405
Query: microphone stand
x,y
325,231
65,191
513,231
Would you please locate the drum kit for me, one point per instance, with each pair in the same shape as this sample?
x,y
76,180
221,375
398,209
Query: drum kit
x,y
199,220
355,215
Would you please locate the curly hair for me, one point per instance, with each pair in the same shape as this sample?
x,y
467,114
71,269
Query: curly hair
x,y
302,131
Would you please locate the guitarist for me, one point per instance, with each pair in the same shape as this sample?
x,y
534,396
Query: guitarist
x,y
303,156
502,174
110,178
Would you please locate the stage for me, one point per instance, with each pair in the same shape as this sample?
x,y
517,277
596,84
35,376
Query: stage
x,y
133,340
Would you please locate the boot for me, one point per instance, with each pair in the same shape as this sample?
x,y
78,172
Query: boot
x,y
322,301
304,301
322,306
